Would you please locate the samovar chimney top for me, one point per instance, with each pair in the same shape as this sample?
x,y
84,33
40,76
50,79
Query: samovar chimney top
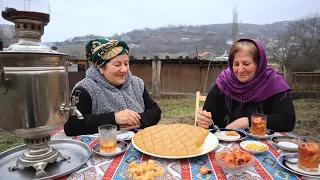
x,y
29,24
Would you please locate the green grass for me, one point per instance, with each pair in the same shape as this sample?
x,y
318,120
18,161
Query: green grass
x,y
182,111
306,87
8,141
176,107
307,113
308,117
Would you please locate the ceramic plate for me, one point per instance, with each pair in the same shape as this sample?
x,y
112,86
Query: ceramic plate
x,y
210,143
122,135
121,147
294,168
244,143
286,143
269,134
221,136
125,136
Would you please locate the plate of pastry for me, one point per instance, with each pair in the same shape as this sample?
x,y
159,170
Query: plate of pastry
x,y
175,141
229,135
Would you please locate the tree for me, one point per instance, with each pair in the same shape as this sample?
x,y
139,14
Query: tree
x,y
299,46
306,35
283,47
234,24
306,32
1,40
8,35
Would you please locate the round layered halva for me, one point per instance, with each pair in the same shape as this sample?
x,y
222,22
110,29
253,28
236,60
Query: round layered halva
x,y
171,139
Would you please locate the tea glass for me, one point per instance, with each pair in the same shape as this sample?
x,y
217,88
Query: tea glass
x,y
108,138
308,153
259,124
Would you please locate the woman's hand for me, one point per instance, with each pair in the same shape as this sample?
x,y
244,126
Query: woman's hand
x,y
128,128
204,119
127,117
240,123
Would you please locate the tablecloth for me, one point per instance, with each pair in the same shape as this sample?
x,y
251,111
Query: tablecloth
x,y
98,167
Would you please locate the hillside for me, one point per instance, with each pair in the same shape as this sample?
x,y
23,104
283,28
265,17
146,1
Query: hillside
x,y
172,40
179,40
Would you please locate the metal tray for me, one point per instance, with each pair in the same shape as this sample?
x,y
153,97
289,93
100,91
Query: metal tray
x,y
78,152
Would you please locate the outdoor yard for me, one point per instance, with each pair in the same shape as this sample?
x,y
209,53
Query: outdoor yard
x,y
182,111
307,112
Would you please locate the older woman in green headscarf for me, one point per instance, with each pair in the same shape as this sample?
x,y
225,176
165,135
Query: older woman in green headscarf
x,y
110,94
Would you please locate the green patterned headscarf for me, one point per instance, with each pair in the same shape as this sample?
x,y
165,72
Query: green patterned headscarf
x,y
101,51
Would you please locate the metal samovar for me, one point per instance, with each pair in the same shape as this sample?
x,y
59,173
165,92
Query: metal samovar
x,y
34,89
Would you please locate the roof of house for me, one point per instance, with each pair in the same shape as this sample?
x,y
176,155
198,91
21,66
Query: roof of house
x,y
205,53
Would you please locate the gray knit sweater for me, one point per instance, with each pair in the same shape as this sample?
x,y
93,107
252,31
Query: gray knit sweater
x,y
107,98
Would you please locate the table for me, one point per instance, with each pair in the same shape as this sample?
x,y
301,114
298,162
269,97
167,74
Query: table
x,y
97,167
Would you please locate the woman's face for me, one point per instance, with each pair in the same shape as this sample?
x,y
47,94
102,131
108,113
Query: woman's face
x,y
244,67
116,70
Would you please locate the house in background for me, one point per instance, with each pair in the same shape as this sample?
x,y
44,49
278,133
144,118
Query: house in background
x,y
223,57
207,56
229,42
275,66
184,39
211,57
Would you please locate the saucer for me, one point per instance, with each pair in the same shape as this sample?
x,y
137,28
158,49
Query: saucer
x,y
122,135
268,135
286,143
121,147
125,136
292,167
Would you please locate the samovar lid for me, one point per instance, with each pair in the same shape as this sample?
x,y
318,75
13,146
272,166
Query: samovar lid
x,y
29,27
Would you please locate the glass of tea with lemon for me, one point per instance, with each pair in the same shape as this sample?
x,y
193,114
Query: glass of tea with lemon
x,y
108,138
308,153
259,124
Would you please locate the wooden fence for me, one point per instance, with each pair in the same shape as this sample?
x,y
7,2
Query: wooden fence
x,y
75,77
184,76
177,76
306,78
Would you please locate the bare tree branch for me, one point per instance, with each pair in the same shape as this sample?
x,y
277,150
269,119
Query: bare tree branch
x,y
307,33
234,24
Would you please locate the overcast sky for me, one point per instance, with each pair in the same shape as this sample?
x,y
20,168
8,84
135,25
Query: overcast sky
x,y
71,18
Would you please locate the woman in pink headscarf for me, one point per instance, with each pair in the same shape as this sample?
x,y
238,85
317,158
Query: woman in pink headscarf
x,y
248,86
